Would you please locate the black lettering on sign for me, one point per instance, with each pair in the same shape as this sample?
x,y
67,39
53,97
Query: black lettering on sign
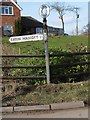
x,y
15,39
24,38
36,37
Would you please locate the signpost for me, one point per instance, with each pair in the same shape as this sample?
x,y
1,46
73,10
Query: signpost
x,y
34,37
44,12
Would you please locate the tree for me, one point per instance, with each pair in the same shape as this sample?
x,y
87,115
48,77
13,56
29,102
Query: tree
x,y
18,26
86,29
61,9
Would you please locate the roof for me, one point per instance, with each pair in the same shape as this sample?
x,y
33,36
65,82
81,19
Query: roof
x,y
12,1
29,21
16,4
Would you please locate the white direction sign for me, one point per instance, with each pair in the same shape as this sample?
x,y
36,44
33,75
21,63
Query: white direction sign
x,y
24,38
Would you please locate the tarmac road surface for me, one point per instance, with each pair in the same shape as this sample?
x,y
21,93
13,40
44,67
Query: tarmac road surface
x,y
67,113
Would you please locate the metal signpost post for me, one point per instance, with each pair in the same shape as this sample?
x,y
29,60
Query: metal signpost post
x,y
44,12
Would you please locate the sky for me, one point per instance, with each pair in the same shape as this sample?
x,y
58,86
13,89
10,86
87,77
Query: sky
x,y
31,8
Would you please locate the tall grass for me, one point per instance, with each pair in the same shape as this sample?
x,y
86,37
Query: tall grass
x,y
62,42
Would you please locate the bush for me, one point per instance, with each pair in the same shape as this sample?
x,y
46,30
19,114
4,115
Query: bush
x,y
18,27
59,74
7,61
55,72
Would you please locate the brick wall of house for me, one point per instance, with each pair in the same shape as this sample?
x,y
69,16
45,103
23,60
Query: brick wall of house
x,y
10,19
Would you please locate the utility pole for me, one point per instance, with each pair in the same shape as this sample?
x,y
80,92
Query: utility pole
x,y
77,16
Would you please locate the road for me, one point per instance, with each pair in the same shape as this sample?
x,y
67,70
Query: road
x,y
69,113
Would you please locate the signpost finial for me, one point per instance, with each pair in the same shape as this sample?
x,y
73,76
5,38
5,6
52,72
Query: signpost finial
x,y
44,11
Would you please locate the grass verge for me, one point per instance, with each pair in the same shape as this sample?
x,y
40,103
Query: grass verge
x,y
47,94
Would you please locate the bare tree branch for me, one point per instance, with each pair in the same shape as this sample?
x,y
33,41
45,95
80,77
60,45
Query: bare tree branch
x,y
61,9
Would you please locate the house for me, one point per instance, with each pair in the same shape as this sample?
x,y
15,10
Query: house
x,y
55,31
33,26
10,11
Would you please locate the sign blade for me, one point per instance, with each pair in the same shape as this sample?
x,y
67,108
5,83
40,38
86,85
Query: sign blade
x,y
34,37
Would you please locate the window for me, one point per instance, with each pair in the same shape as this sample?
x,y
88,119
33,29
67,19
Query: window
x,y
10,10
39,30
8,30
6,10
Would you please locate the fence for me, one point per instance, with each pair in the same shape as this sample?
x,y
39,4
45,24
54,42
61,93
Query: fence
x,y
65,65
73,74
52,66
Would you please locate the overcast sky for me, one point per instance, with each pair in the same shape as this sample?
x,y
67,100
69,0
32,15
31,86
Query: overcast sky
x,y
32,9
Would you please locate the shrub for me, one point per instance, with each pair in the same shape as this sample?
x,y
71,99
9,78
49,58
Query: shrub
x,y
18,27
7,61
56,73
59,73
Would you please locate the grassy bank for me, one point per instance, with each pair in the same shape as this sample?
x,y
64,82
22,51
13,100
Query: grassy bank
x,y
63,42
46,94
